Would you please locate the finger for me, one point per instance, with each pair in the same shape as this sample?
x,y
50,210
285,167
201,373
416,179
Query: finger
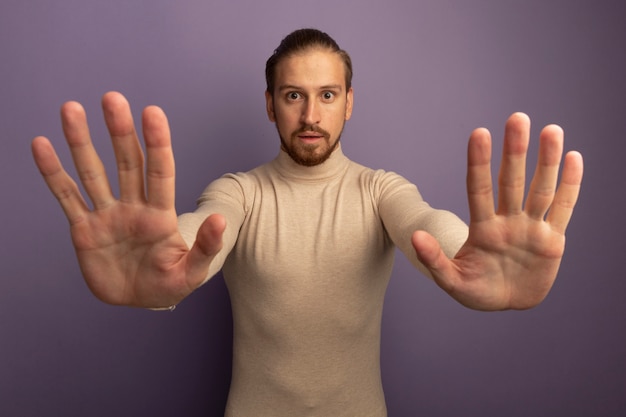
x,y
512,177
543,184
59,182
128,153
567,194
479,181
431,255
208,244
88,164
160,171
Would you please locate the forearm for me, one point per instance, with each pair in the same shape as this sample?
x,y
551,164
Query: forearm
x,y
448,229
404,212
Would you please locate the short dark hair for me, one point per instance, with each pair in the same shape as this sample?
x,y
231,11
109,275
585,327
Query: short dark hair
x,y
301,40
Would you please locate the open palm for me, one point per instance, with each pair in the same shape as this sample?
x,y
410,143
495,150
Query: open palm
x,y
513,252
129,248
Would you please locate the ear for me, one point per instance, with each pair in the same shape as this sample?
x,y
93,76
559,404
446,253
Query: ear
x,y
269,106
349,103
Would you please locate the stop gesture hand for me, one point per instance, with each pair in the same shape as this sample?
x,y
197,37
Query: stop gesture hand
x,y
129,248
513,252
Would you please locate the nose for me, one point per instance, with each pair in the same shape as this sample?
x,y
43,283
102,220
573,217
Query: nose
x,y
311,112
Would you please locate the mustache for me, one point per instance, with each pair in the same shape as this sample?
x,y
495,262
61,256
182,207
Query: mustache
x,y
311,128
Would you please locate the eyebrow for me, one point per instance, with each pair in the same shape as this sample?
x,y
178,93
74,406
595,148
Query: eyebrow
x,y
324,87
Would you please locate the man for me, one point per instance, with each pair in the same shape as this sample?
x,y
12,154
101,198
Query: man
x,y
306,241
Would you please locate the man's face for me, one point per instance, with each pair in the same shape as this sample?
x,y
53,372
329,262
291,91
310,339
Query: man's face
x,y
310,104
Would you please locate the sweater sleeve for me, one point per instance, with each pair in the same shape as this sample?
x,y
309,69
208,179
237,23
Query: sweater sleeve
x,y
224,196
403,211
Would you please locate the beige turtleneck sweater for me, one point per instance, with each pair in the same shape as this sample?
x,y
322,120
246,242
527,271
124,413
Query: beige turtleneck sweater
x,y
308,252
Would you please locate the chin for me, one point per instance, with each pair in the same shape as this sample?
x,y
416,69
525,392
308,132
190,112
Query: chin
x,y
310,158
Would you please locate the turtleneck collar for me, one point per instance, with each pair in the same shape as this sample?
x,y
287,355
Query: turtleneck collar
x,y
334,165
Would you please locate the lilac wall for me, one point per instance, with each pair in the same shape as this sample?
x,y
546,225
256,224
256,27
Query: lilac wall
x,y
426,73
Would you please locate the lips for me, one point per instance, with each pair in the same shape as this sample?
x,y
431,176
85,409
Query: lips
x,y
310,135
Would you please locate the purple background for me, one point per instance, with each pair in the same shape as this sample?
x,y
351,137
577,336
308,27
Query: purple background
x,y
426,74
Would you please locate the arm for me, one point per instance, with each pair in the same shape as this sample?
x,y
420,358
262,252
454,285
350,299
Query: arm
x,y
512,254
129,249
403,210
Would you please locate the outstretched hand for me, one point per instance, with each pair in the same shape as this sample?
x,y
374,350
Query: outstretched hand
x,y
129,248
513,252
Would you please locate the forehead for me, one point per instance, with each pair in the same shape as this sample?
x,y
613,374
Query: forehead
x,y
311,68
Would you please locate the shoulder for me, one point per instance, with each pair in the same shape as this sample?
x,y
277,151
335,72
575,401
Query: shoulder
x,y
380,182
239,186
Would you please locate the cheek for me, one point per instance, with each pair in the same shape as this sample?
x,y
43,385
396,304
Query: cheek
x,y
285,129
285,120
337,120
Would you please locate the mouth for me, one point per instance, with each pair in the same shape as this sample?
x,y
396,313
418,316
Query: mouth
x,y
310,136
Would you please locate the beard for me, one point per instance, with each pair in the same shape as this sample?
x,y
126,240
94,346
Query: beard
x,y
309,154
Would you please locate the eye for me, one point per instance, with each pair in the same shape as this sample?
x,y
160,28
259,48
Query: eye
x,y
328,95
293,95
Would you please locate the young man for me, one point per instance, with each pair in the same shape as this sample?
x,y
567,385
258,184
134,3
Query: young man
x,y
306,241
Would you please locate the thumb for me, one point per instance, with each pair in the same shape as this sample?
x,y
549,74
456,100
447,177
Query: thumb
x,y
430,254
208,244
209,237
